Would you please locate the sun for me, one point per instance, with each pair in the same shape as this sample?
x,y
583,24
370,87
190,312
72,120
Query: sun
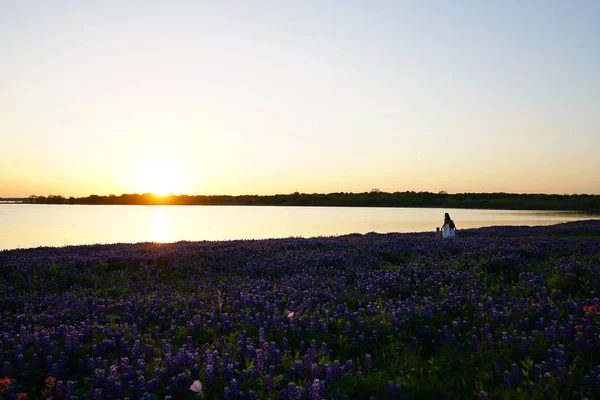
x,y
161,179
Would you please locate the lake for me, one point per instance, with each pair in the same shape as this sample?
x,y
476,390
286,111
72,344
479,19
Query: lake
x,y
28,225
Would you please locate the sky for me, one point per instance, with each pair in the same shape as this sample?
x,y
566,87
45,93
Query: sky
x,y
264,97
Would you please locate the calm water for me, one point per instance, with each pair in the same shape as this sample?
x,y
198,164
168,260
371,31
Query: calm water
x,y
25,225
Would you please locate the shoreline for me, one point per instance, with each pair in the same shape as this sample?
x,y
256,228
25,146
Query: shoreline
x,y
583,228
374,198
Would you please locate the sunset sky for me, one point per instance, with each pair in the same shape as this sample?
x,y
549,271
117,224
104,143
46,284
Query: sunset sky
x,y
264,97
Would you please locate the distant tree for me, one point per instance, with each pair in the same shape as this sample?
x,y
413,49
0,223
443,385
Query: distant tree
x,y
374,198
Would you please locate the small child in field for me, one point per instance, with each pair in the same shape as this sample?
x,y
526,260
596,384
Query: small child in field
x,y
438,233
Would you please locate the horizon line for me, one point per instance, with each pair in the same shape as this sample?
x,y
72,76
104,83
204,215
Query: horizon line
x,y
374,191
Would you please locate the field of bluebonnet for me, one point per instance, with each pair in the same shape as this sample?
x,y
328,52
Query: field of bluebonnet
x,y
498,313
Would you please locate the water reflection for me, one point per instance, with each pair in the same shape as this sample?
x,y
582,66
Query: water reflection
x,y
160,226
546,213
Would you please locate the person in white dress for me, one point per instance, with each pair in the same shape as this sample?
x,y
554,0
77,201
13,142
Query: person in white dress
x,y
448,229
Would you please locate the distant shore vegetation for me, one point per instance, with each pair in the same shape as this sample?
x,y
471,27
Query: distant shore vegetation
x,y
373,198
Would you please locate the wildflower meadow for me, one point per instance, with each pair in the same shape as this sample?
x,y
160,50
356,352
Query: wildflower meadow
x,y
495,313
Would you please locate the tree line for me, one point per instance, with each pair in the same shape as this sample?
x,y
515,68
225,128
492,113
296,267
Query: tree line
x,y
373,198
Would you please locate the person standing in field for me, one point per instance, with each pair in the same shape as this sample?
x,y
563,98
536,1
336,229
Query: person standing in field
x,y
448,229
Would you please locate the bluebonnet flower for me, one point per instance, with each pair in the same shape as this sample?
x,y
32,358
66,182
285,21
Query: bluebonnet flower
x,y
507,379
367,361
394,390
483,396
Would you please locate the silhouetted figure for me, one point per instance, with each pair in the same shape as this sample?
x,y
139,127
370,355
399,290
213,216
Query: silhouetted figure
x,y
438,233
448,229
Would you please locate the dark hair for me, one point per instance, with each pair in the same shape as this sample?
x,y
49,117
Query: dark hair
x,y
452,226
447,218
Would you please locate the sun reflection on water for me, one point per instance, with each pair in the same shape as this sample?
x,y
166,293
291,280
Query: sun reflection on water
x,y
160,226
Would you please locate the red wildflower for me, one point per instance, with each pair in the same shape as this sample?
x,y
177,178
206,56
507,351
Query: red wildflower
x,y
22,396
50,381
589,309
5,382
579,327
45,393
